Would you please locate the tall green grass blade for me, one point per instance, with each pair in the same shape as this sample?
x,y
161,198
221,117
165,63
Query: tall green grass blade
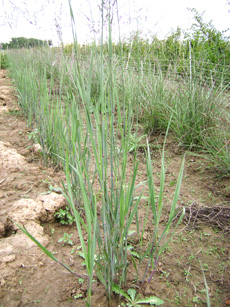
x,y
206,286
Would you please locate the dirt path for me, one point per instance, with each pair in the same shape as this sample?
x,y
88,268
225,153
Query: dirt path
x,y
28,277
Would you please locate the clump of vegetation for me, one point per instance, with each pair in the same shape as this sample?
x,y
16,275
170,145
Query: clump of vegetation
x,y
3,60
64,216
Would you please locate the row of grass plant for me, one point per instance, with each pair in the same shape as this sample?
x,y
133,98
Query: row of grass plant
x,y
197,108
200,112
84,111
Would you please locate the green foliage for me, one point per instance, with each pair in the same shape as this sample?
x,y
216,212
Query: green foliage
x,y
173,46
134,142
23,42
203,46
134,300
3,60
64,216
66,239
68,49
33,136
210,48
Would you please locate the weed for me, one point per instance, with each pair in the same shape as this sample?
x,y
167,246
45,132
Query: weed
x,y
134,300
165,274
222,267
36,301
47,289
66,239
205,266
178,298
134,143
196,299
64,216
78,296
187,273
172,183
33,136
213,251
191,257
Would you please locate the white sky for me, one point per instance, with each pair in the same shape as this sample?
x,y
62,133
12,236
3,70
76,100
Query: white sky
x,y
39,18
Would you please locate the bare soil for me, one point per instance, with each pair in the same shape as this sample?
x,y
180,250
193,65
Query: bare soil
x,y
27,196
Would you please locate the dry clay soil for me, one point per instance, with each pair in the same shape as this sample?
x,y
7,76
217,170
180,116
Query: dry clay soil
x,y
28,277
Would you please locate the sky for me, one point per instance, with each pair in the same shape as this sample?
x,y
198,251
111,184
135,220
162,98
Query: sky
x,y
50,19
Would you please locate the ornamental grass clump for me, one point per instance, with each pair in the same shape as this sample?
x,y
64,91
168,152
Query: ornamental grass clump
x,y
161,237
106,249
